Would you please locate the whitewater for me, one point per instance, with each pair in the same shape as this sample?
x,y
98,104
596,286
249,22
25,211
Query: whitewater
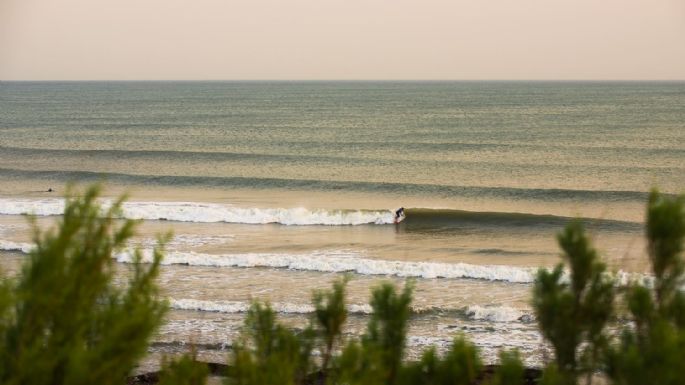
x,y
206,212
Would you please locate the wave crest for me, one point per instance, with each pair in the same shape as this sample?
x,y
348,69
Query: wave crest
x,y
417,218
210,212
242,307
345,261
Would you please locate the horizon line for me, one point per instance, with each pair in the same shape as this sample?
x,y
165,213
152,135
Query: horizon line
x,y
337,80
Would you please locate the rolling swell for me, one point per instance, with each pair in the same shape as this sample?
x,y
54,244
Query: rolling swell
x,y
536,194
228,156
419,217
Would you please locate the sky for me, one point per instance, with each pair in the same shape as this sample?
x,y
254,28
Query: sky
x,y
342,39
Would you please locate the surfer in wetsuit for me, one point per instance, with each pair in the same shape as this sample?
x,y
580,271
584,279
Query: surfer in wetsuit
x,y
399,213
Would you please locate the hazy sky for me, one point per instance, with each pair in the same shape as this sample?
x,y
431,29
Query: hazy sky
x,y
342,39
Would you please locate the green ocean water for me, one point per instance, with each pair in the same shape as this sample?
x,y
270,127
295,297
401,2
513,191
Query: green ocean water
x,y
571,136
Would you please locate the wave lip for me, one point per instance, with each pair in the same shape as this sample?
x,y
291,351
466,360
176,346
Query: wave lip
x,y
207,212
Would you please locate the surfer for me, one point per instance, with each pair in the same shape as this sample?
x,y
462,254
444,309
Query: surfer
x,y
399,214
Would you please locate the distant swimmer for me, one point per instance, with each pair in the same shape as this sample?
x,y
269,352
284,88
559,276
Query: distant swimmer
x,y
399,215
50,189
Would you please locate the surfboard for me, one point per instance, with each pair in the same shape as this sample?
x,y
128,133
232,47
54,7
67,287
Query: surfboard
x,y
400,219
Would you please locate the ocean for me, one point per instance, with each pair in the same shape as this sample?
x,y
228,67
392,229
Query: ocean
x,y
276,189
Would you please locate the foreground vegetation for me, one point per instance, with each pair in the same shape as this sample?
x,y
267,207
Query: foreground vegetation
x,y
64,321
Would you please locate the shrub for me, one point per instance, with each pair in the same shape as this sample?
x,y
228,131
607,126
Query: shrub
x,y
269,353
576,312
460,365
377,358
652,348
185,370
330,315
511,370
64,321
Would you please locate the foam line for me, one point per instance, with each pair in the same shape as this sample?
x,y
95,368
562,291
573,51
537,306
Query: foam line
x,y
474,312
16,246
334,261
345,261
496,313
242,307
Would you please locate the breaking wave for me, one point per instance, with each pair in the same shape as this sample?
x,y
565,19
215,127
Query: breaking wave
x,y
496,314
210,212
242,307
474,312
345,261
16,246
340,261
326,261
417,218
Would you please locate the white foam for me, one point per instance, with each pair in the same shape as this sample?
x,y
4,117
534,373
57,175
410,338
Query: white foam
x,y
15,246
345,261
494,313
242,307
474,312
209,212
41,207
341,261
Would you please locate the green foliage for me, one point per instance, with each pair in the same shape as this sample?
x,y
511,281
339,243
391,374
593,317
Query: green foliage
x,y
387,329
63,321
511,370
577,312
461,365
331,314
360,365
552,376
379,356
652,349
665,233
388,324
269,353
185,370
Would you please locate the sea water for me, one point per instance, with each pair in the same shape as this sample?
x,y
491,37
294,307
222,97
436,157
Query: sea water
x,y
276,189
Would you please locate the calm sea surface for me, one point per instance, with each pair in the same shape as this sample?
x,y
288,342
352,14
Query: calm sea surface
x,y
274,189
